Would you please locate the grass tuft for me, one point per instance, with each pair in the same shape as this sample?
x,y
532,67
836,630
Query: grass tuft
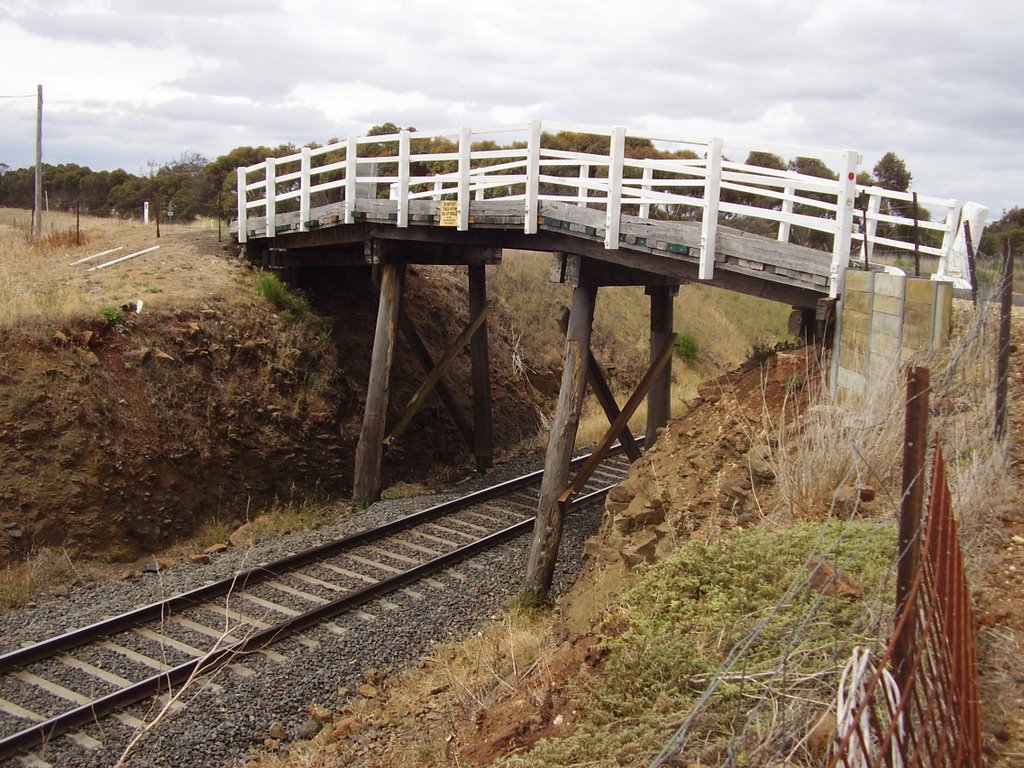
x,y
282,295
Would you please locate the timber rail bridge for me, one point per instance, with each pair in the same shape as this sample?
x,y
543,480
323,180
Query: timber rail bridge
x,y
638,209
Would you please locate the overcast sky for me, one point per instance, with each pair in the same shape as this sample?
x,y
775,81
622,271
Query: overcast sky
x,y
939,82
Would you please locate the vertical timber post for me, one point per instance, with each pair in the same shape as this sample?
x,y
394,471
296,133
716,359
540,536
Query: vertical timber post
x,y
366,485
915,447
547,529
1003,353
659,398
483,442
37,212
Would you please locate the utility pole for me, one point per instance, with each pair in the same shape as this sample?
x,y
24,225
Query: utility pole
x,y
37,221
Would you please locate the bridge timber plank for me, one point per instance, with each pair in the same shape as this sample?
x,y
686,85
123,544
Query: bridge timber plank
x,y
789,272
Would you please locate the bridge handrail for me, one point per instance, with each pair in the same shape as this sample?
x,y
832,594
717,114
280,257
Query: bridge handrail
x,y
698,185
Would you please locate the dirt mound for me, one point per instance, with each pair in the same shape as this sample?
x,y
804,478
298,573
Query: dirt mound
x,y
121,434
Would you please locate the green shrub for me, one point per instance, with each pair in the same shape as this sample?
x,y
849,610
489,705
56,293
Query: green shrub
x,y
687,347
114,315
281,295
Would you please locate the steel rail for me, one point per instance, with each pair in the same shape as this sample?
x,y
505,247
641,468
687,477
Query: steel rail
x,y
45,649
164,682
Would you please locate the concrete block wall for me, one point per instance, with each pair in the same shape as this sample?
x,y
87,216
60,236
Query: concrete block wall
x,y
883,321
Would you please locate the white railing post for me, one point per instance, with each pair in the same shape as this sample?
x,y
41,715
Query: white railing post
x,y
786,226
950,235
617,158
465,160
438,186
956,267
243,210
271,166
304,182
532,179
709,220
845,199
871,225
403,179
351,172
645,207
583,192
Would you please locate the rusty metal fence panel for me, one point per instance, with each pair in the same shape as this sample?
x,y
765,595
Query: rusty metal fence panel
x,y
923,711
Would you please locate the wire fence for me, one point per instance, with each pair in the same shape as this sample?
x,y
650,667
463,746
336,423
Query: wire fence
x,y
920,709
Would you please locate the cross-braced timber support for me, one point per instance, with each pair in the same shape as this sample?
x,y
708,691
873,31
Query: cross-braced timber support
x,y
547,532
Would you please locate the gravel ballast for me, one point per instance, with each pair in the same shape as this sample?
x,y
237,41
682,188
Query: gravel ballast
x,y
221,725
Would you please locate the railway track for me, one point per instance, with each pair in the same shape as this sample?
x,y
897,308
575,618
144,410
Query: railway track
x,y
56,687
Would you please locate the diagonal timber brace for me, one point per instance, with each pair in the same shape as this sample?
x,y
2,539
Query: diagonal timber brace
x,y
598,383
417,400
620,422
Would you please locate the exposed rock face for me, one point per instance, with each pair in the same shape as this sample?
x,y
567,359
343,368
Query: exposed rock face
x,y
706,470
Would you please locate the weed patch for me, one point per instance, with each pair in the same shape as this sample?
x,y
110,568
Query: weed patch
x,y
281,295
672,632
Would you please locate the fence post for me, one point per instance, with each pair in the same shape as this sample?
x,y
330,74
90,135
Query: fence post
x,y
785,226
465,165
271,197
404,152
709,216
532,179
616,162
648,178
1003,359
243,225
351,173
915,446
583,191
971,270
305,180
845,200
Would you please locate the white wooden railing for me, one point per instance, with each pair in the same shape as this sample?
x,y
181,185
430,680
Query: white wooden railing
x,y
706,187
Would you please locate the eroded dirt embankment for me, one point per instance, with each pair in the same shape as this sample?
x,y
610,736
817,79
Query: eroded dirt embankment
x,y
119,438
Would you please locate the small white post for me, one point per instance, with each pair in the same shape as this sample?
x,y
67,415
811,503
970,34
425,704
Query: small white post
x,y
787,208
645,207
845,198
583,192
617,157
304,184
243,227
271,198
532,179
145,212
403,179
438,187
351,172
465,161
709,220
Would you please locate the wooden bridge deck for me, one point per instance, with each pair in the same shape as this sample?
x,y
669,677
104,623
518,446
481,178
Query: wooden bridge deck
x,y
650,248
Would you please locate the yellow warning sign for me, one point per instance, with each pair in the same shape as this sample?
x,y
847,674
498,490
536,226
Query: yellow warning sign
x,y
449,213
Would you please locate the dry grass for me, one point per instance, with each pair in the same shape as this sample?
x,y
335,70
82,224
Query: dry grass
x,y
39,573
828,446
39,285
